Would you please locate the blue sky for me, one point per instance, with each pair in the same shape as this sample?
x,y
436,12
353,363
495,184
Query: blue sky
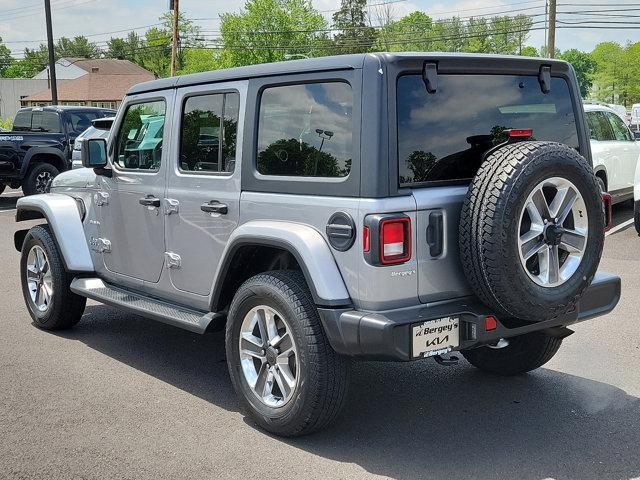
x,y
22,21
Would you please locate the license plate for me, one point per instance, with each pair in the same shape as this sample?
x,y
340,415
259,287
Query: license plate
x,y
436,337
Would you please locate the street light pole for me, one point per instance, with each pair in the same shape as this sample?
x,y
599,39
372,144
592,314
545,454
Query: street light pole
x,y
174,46
52,54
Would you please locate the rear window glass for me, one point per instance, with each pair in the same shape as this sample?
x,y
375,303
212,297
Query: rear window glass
x,y
47,122
442,136
305,130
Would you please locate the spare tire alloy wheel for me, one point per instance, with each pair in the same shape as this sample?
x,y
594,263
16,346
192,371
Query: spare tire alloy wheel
x,y
553,232
531,230
268,356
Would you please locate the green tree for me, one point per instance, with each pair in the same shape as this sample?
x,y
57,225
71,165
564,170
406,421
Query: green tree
x,y
6,60
270,31
529,51
76,47
124,48
412,32
609,58
355,34
584,66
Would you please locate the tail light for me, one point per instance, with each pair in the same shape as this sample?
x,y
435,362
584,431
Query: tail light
x,y
395,240
520,132
607,201
387,239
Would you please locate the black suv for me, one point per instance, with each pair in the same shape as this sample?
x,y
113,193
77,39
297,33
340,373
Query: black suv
x,y
40,144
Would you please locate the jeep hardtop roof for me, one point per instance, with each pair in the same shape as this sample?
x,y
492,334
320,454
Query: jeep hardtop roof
x,y
474,61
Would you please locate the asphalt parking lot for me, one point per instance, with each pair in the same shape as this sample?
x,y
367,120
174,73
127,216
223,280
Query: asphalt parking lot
x,y
124,397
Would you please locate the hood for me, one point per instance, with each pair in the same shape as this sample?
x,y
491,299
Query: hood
x,y
72,179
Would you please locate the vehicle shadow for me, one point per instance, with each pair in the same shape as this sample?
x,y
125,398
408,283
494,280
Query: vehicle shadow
x,y
8,203
415,420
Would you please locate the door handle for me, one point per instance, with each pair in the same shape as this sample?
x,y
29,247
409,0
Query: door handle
x,y
150,201
214,207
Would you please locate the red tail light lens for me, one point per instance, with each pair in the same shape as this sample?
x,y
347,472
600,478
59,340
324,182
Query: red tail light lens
x,y
366,240
395,240
520,132
608,215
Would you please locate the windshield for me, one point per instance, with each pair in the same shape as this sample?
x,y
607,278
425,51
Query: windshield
x,y
443,136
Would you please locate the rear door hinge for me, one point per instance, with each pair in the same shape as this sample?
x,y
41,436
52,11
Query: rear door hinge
x,y
172,260
171,205
101,198
100,245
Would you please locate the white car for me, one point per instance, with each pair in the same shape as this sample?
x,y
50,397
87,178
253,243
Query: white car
x,y
99,129
615,151
635,117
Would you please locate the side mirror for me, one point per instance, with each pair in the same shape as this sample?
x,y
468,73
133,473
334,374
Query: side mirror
x,y
94,153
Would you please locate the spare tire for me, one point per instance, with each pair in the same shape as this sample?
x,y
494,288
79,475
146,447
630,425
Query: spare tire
x,y
531,230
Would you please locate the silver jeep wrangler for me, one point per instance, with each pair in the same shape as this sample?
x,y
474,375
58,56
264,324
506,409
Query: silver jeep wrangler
x,y
378,206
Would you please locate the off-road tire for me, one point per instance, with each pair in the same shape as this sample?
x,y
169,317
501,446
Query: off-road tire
x,y
601,184
2,187
66,307
30,182
636,216
321,390
489,222
523,354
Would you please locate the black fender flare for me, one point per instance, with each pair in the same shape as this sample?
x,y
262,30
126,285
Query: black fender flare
x,y
36,150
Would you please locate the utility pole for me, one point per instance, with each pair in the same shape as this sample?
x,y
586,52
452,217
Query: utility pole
x,y
552,29
174,46
52,54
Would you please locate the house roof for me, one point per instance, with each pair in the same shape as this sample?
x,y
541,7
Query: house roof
x,y
93,87
105,66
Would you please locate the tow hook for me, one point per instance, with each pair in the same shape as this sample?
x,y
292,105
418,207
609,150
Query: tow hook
x,y
448,361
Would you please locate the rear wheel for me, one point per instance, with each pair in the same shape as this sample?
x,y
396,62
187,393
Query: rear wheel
x,y
286,375
45,283
522,354
636,216
39,178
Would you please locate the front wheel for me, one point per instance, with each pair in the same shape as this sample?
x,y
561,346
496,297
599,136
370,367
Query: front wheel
x,y
285,373
520,355
45,283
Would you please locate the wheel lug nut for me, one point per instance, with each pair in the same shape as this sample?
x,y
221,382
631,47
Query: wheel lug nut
x,y
262,352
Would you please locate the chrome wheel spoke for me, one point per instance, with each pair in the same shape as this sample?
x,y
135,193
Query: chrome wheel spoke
x,y
562,204
262,326
554,265
32,273
251,345
573,241
261,380
530,243
540,203
285,380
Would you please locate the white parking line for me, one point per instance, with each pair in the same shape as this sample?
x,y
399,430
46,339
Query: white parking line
x,y
617,228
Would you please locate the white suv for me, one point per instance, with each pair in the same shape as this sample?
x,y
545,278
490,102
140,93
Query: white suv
x,y
615,151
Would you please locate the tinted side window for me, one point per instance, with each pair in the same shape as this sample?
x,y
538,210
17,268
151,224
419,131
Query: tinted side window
x,y
208,133
78,122
306,130
139,143
47,122
603,127
620,130
22,122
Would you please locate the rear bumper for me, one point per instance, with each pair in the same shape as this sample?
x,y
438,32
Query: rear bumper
x,y
387,335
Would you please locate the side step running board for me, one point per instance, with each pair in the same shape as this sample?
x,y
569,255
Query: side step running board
x,y
96,289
